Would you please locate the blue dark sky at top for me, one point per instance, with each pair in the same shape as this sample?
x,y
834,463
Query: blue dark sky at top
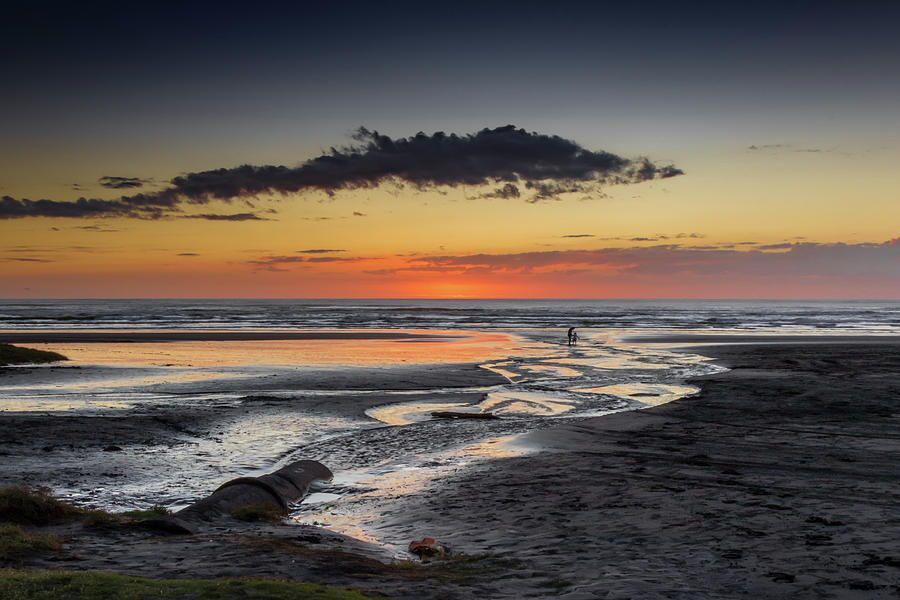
x,y
150,69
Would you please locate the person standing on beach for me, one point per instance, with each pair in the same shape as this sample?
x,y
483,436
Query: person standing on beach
x,y
573,337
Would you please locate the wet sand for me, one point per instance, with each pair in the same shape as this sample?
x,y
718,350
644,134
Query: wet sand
x,y
156,335
778,480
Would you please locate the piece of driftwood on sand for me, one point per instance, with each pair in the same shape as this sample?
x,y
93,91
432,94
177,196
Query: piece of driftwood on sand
x,y
449,414
274,491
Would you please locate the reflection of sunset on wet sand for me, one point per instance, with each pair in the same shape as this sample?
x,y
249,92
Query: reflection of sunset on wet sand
x,y
435,346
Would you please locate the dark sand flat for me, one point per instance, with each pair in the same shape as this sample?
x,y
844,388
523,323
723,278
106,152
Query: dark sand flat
x,y
778,480
748,338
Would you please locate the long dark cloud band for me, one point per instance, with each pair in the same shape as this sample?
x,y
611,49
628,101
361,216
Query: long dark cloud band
x,y
548,165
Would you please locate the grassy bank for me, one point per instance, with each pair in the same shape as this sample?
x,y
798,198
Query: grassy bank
x,y
16,355
87,585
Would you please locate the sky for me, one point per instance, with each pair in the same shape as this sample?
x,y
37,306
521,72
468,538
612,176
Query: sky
x,y
450,150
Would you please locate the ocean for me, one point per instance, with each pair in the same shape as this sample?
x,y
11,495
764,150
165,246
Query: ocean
x,y
859,316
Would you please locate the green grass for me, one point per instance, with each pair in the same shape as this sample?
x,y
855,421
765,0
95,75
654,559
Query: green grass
x,y
33,506
16,543
16,355
87,585
153,512
37,506
258,512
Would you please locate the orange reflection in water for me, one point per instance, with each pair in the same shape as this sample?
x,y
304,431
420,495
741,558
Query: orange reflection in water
x,y
440,347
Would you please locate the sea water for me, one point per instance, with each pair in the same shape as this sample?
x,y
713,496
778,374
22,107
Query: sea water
x,y
746,315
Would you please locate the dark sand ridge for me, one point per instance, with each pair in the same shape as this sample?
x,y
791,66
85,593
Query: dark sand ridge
x,y
778,480
742,338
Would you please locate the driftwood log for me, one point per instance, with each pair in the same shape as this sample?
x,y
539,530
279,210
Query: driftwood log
x,y
274,491
449,414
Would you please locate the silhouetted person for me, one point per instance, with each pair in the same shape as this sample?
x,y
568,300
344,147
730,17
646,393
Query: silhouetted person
x,y
573,337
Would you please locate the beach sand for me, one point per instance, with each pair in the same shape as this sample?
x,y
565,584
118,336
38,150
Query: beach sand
x,y
778,480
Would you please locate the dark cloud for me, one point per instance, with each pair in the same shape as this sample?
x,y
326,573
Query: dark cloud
x,y
507,192
271,262
23,259
232,217
121,183
277,259
579,235
553,190
504,154
548,165
785,147
783,246
187,254
320,251
359,214
96,228
321,259
140,206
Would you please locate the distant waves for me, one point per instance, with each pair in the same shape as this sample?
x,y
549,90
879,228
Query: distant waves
x,y
757,315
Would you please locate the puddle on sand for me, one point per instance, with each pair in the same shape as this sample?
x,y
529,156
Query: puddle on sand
x,y
651,394
551,370
414,412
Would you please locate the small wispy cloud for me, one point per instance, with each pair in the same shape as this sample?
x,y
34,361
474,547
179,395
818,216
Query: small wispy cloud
x,y
228,217
121,183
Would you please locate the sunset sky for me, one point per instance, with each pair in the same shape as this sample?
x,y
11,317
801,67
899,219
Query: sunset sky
x,y
658,150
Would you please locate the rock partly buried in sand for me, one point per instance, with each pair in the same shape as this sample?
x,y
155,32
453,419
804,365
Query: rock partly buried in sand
x,y
269,493
429,549
449,414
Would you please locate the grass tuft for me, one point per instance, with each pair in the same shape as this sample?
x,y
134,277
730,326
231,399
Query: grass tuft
x,y
88,585
153,512
33,506
258,512
37,506
16,543
16,355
